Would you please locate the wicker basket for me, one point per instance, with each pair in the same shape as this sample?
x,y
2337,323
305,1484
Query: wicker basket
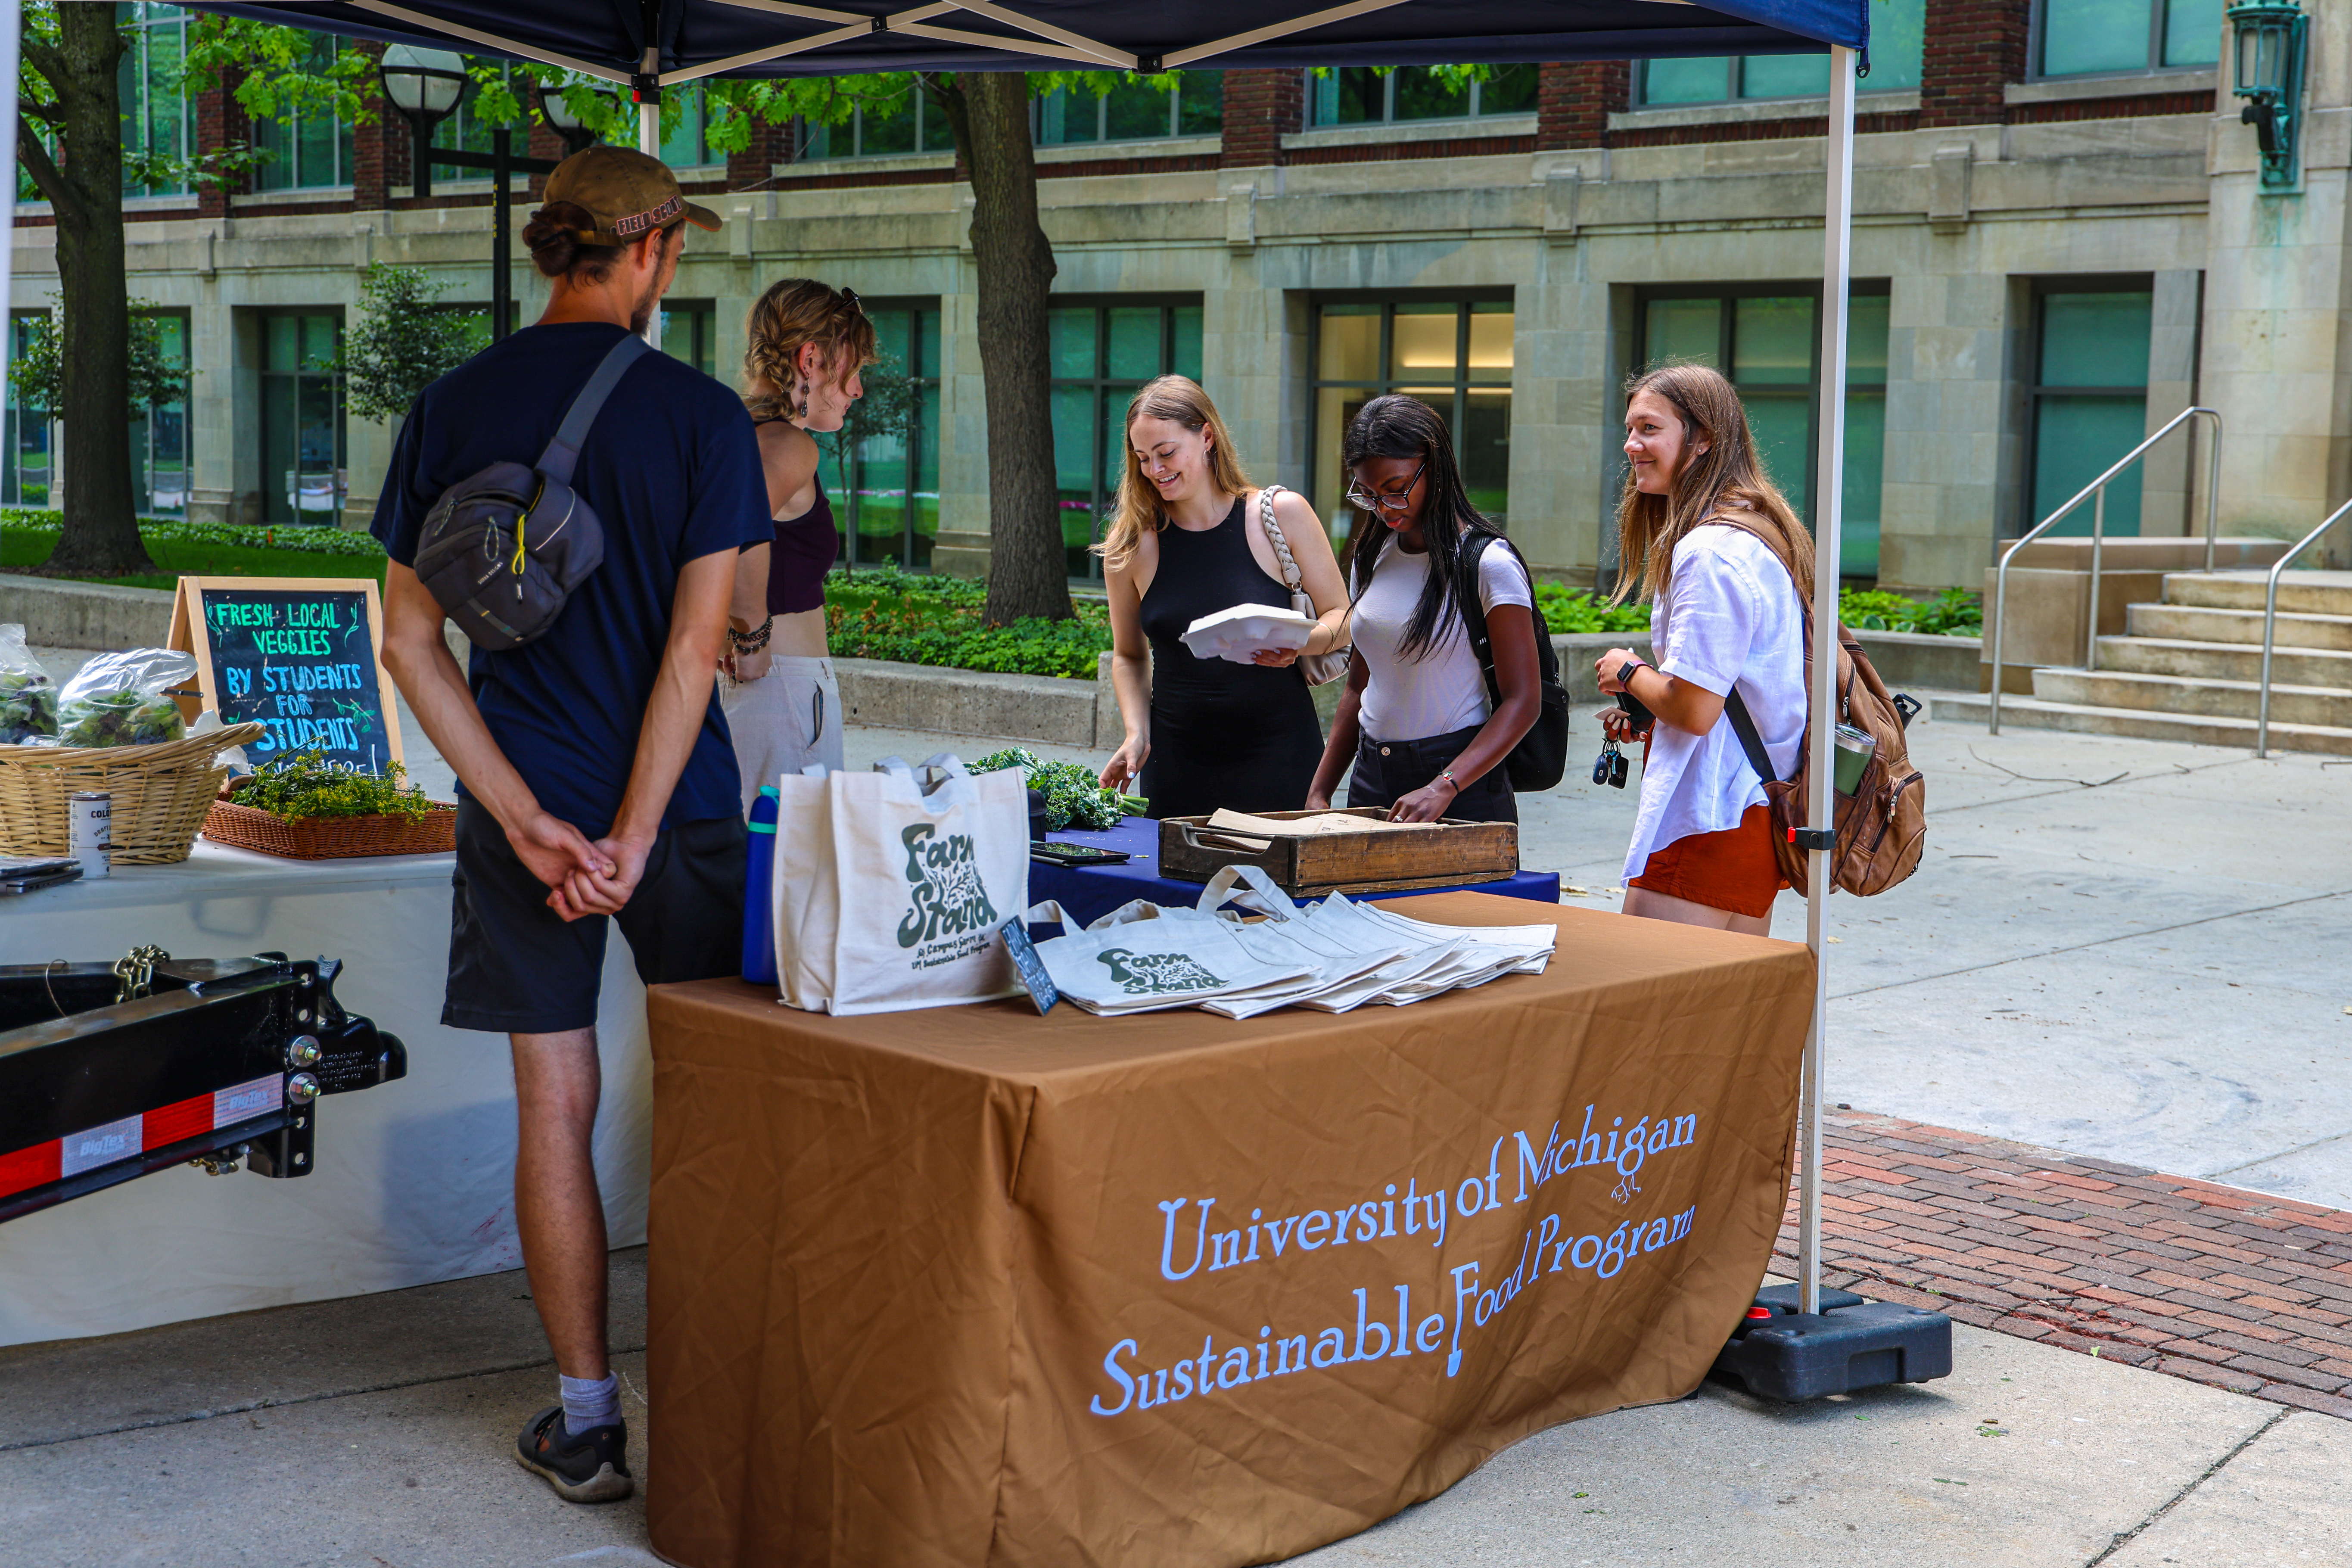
x,y
331,837
161,794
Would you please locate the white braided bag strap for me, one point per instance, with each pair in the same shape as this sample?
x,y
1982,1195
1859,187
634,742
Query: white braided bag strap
x,y
1273,536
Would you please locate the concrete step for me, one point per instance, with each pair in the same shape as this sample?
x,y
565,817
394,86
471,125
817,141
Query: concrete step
x,y
2198,729
2226,661
2309,592
2185,697
2193,622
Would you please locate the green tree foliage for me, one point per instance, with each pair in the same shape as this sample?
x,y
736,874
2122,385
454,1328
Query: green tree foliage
x,y
402,342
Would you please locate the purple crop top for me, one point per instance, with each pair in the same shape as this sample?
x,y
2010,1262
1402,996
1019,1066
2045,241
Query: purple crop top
x,y
806,549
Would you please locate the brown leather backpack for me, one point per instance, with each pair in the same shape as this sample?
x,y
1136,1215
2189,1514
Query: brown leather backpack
x,y
1882,827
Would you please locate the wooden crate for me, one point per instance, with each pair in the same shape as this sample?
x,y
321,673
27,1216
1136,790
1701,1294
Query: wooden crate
x,y
1448,854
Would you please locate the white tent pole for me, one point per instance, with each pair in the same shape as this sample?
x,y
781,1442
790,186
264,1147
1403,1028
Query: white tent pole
x,y
1837,266
649,143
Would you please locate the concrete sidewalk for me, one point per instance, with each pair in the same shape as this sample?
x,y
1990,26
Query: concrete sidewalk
x,y
375,1432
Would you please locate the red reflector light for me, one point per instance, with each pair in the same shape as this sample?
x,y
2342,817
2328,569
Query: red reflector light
x,y
1759,1311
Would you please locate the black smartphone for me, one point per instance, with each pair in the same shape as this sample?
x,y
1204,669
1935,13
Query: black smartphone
x,y
1059,854
1642,718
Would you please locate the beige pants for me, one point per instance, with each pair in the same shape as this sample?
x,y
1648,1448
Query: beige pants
x,y
783,722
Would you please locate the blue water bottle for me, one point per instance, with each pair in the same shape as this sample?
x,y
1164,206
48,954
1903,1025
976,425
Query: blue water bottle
x,y
759,909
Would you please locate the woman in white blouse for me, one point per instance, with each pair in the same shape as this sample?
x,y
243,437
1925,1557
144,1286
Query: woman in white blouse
x,y
1416,719
1697,525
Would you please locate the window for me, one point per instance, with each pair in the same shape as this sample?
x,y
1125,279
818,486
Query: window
x,y
1897,36
689,331
2090,400
1366,95
1769,340
159,121
302,420
1131,112
158,437
913,124
25,432
1453,354
310,150
890,489
2094,37
1100,355
687,145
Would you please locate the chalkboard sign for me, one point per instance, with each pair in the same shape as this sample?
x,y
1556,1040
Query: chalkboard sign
x,y
298,654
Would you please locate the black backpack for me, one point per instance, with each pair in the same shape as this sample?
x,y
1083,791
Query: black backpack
x,y
1540,759
501,552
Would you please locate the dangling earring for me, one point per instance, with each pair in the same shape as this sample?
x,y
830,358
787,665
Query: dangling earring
x,y
803,395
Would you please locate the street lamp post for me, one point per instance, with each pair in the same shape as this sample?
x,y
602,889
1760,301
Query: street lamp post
x,y
557,112
426,86
2269,38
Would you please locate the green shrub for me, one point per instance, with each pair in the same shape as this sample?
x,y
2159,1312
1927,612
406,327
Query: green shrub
x,y
1955,612
885,612
1569,610
310,539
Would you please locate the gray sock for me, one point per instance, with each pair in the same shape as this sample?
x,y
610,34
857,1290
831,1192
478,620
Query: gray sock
x,y
590,1401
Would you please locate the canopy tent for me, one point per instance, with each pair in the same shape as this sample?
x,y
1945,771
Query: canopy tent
x,y
651,44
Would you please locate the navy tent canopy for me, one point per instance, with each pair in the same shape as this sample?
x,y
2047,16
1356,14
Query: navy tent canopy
x,y
773,37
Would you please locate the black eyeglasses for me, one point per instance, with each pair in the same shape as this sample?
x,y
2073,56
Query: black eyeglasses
x,y
851,295
1364,500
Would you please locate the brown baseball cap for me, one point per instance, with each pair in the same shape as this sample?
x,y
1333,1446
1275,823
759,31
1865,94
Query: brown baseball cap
x,y
625,192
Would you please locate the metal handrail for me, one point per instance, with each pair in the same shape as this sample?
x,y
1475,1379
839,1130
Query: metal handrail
x,y
2270,624
2098,488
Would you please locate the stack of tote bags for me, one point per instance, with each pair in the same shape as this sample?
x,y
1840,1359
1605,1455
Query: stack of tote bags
x,y
1332,957
890,886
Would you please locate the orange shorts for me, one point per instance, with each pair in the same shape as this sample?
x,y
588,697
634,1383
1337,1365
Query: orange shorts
x,y
1733,869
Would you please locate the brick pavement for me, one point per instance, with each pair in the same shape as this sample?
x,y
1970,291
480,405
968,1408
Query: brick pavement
x,y
2227,1287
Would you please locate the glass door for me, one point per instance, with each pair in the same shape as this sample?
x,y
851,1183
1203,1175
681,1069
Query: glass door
x,y
302,452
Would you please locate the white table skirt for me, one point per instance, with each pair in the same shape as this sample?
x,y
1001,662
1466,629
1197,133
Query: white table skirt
x,y
414,1180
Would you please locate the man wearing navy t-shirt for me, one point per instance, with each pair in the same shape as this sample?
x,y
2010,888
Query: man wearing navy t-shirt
x,y
595,777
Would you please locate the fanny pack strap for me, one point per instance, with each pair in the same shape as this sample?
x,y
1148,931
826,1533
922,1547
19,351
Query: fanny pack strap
x,y
563,454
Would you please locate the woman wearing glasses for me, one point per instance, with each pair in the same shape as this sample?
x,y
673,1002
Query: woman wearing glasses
x,y
1186,539
1416,719
804,345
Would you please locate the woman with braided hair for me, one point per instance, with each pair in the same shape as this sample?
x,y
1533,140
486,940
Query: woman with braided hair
x,y
804,343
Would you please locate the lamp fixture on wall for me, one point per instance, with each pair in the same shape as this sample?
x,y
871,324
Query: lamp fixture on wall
x,y
2268,37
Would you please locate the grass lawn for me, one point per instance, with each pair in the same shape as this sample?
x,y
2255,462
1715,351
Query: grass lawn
x,y
177,558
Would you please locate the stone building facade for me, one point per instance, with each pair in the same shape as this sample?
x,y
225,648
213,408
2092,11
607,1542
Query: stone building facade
x,y
2059,243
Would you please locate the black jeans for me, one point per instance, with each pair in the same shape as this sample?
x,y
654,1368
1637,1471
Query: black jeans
x,y
1387,771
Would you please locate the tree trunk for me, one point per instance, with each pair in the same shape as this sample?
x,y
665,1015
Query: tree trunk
x,y
85,187
1028,573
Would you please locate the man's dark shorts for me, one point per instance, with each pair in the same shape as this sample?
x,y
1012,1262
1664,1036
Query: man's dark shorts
x,y
517,967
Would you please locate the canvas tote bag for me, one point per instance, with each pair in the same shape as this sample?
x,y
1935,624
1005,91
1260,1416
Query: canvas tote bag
x,y
895,899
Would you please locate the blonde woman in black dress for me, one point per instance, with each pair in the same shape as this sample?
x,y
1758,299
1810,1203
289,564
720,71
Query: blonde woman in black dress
x,y
1185,541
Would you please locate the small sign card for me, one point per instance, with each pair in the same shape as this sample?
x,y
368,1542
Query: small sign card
x,y
1032,967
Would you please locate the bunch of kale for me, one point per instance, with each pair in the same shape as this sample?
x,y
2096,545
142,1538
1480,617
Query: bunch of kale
x,y
1073,796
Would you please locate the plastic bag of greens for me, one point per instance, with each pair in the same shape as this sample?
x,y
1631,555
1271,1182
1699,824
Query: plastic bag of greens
x,y
122,699
29,698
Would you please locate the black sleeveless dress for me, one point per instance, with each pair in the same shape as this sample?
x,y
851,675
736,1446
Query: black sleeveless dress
x,y
1223,735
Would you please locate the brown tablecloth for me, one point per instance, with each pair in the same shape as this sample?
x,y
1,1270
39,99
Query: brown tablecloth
x,y
968,1286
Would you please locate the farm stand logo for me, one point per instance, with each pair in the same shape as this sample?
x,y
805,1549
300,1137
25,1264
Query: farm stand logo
x,y
1156,974
945,898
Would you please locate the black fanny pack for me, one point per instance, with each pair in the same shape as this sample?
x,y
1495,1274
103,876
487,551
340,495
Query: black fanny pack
x,y
502,550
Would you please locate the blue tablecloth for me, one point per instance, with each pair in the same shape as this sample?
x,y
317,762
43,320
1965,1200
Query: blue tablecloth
x,y
1090,891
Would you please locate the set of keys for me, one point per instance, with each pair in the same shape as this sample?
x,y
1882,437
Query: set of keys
x,y
1609,767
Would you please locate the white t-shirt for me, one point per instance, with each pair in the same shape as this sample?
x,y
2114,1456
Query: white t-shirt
x,y
1444,689
1730,615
